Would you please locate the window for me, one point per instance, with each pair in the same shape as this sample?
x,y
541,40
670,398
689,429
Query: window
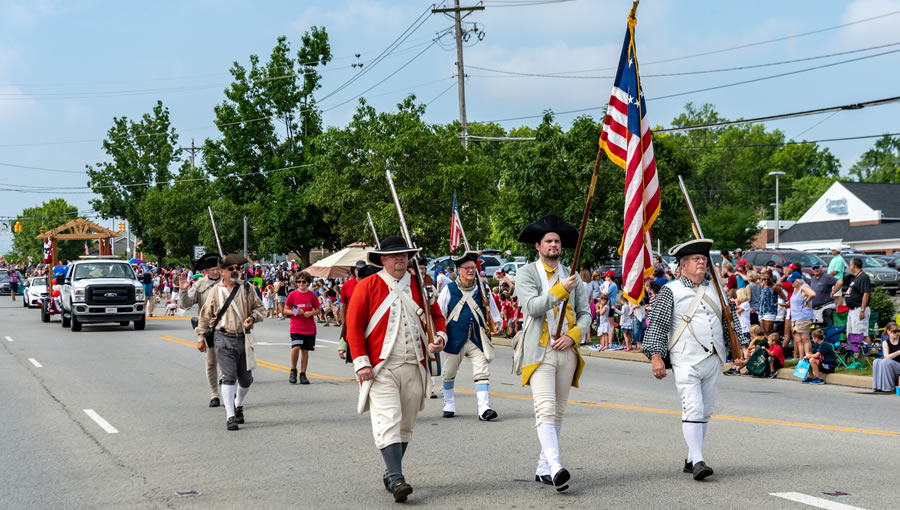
x,y
103,270
806,260
751,258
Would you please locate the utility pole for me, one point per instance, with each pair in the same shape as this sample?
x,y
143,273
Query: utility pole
x,y
460,69
192,149
245,237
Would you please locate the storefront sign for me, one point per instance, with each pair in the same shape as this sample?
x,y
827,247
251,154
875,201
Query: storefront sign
x,y
838,206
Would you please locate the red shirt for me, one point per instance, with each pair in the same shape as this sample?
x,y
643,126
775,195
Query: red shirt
x,y
306,301
347,291
776,351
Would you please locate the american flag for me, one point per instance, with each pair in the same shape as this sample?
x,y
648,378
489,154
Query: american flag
x,y
455,227
626,116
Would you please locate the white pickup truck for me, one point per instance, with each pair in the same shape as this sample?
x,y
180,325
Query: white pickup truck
x,y
97,291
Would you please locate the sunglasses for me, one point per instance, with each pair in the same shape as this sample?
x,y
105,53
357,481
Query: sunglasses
x,y
303,282
232,268
893,330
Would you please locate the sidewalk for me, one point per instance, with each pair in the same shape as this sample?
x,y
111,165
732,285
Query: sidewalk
x,y
855,381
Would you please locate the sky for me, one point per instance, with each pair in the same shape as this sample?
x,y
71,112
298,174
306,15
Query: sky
x,y
67,68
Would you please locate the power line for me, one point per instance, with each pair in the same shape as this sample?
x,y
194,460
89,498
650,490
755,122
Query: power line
x,y
788,142
439,95
567,74
716,87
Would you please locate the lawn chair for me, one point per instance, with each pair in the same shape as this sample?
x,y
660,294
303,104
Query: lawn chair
x,y
836,335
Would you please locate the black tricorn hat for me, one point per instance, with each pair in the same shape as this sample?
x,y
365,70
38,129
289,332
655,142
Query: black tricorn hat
x,y
233,259
465,257
534,232
205,262
692,247
390,245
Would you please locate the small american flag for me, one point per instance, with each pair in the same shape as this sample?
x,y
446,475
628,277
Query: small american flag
x,y
87,251
455,228
626,117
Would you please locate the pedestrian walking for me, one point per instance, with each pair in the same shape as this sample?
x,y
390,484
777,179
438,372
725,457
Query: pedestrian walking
x,y
231,309
387,340
302,305
687,323
197,294
462,304
551,364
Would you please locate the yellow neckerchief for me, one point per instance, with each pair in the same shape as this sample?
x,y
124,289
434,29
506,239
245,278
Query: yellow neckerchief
x,y
560,292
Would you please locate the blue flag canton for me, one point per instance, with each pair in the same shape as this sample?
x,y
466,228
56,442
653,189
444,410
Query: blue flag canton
x,y
627,81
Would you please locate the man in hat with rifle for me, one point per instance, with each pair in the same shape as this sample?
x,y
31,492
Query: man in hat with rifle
x,y
387,339
462,304
196,294
687,323
551,363
231,311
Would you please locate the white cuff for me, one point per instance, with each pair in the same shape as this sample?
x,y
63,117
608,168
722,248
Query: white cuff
x,y
442,335
361,362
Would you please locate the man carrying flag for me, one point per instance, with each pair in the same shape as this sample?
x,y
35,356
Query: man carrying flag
x,y
626,141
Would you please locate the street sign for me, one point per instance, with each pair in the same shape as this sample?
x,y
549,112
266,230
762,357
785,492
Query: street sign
x,y
4,227
199,251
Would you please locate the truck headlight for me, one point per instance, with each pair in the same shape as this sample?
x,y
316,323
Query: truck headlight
x,y
78,295
139,294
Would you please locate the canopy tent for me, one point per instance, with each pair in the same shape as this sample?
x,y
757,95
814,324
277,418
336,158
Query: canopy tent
x,y
337,265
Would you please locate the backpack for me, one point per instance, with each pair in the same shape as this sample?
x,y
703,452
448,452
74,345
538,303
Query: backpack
x,y
758,364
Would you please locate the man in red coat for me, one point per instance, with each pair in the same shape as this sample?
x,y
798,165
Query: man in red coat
x,y
387,339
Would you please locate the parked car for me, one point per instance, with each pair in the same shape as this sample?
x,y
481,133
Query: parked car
x,y
102,291
4,282
510,268
35,291
880,274
759,259
614,265
492,263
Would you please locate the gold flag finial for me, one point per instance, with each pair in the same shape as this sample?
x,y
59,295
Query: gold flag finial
x,y
633,9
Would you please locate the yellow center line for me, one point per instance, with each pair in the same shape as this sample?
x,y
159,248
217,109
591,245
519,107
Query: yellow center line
x,y
816,426
168,318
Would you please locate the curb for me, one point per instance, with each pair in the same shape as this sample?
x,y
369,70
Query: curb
x,y
854,381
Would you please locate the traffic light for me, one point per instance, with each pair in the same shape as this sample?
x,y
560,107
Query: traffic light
x,y
42,230
121,226
17,228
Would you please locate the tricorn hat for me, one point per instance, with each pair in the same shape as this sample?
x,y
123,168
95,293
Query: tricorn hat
x,y
534,232
233,259
205,262
469,256
390,245
693,247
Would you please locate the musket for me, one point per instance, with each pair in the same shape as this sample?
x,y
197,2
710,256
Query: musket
x,y
481,282
215,232
374,233
434,362
726,310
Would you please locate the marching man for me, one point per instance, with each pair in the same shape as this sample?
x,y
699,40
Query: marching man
x,y
551,364
687,323
462,304
387,339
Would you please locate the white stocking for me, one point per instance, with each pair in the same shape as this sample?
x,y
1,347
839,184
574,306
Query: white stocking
x,y
228,399
693,436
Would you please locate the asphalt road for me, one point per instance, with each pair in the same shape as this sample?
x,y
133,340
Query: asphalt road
x,y
305,446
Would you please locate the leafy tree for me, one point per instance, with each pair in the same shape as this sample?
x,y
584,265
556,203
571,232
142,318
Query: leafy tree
x,y
880,163
259,172
802,193
142,154
169,212
428,164
50,214
730,226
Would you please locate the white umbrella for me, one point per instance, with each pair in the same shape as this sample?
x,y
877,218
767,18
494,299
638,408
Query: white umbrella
x,y
337,265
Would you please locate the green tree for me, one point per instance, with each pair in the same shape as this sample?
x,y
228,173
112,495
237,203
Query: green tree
x,y
880,163
50,214
142,154
264,174
170,212
802,193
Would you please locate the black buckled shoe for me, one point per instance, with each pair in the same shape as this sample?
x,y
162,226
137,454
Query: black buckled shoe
x,y
561,480
488,415
449,414
230,424
544,479
688,467
387,482
214,402
401,490
239,414
701,470
303,379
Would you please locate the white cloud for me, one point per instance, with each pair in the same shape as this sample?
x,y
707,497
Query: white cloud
x,y
872,32
363,18
14,103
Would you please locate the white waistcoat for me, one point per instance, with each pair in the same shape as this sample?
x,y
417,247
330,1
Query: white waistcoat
x,y
705,327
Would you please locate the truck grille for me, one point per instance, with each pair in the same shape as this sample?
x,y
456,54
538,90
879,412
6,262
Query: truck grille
x,y
888,277
109,295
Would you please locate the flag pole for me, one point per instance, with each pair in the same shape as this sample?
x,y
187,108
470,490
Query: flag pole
x,y
581,232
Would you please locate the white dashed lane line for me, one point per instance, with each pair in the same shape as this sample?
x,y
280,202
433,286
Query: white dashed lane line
x,y
100,421
35,363
813,501
8,339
